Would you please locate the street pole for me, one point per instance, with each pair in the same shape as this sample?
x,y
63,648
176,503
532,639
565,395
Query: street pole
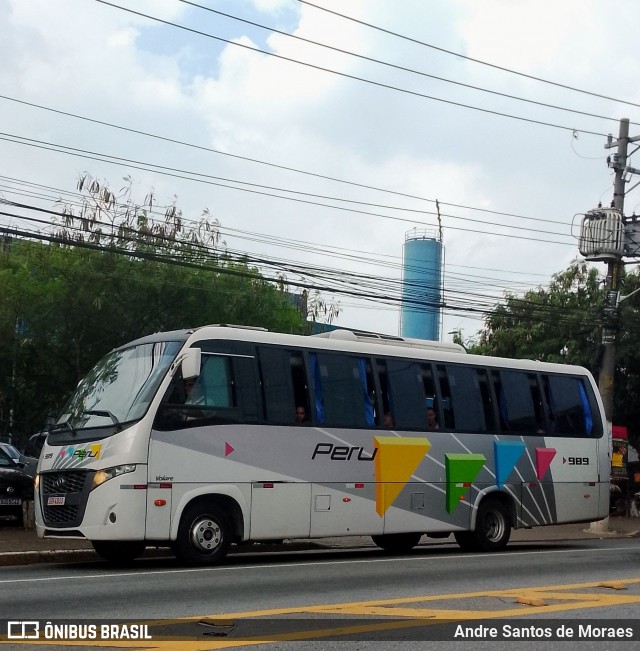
x,y
612,287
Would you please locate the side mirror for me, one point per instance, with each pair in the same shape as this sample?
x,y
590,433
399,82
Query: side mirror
x,y
191,363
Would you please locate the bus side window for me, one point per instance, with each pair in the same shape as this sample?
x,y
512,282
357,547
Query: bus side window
x,y
300,386
371,413
569,406
519,402
342,381
487,399
431,405
464,403
277,384
213,387
445,395
245,386
406,394
317,393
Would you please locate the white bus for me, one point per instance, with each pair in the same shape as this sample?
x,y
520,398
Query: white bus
x,y
199,439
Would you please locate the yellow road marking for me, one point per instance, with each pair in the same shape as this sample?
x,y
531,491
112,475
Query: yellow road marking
x,y
408,612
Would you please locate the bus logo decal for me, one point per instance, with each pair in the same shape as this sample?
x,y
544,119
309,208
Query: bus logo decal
x,y
72,455
461,471
544,457
342,452
506,455
396,461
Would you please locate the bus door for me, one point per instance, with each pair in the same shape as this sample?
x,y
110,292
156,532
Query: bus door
x,y
159,488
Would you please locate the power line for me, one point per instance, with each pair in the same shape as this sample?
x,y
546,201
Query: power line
x,y
396,66
354,77
392,261
348,283
271,164
467,58
208,180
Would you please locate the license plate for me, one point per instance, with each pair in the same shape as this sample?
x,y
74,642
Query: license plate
x,y
55,500
10,501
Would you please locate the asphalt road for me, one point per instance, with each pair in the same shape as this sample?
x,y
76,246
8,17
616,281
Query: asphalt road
x,y
364,596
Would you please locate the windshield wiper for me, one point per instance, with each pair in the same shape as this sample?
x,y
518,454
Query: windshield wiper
x,y
60,426
106,414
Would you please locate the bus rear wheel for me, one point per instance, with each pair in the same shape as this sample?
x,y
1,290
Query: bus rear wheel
x,y
492,532
204,535
119,551
397,543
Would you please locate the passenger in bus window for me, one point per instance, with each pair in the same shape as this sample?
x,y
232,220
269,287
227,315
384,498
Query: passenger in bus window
x,y
301,414
432,420
193,393
387,420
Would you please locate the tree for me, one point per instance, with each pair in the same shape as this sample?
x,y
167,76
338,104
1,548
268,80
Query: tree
x,y
113,271
559,324
563,323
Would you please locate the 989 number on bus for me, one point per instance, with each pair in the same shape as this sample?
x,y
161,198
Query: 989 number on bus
x,y
576,461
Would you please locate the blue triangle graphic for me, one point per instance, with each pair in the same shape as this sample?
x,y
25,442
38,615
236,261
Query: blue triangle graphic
x,y
506,454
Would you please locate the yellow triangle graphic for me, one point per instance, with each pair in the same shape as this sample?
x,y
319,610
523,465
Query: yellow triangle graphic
x,y
396,460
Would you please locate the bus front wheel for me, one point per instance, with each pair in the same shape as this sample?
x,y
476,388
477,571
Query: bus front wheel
x,y
397,543
204,535
492,532
119,551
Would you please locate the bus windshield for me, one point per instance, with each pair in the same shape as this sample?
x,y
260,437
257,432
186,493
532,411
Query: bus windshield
x,y
119,388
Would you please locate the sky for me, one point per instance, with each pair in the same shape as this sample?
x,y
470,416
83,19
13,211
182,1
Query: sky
x,y
318,153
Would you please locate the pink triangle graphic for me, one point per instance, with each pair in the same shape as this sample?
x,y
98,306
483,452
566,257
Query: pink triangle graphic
x,y
228,449
544,457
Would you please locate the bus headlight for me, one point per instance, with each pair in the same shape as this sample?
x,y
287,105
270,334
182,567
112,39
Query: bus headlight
x,y
36,482
109,473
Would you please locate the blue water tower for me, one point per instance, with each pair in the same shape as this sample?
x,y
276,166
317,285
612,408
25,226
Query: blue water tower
x,y
421,286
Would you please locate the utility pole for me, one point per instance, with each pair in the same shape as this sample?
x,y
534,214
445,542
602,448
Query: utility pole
x,y
612,287
607,371
607,235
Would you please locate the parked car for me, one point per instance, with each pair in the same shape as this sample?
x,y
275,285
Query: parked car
x,y
16,486
30,464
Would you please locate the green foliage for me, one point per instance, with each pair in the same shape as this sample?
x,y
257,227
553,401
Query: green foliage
x,y
563,323
65,305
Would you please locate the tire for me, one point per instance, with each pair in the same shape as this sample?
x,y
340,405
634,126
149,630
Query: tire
x,y
119,551
397,543
492,532
204,535
466,541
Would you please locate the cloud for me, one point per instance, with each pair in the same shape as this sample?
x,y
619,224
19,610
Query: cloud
x,y
90,59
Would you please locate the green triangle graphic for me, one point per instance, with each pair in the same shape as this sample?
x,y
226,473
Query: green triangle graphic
x,y
461,471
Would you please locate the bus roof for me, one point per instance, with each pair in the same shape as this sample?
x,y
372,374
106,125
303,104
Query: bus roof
x,y
394,347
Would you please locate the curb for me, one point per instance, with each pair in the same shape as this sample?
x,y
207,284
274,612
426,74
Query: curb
x,y
55,556
83,555
8,559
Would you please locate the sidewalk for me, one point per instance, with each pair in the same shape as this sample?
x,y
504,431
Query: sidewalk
x,y
21,546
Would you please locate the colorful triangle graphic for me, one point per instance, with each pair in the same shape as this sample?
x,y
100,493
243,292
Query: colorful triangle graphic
x,y
228,449
544,457
506,455
461,471
395,461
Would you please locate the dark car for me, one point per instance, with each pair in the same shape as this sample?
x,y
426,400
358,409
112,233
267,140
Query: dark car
x,y
16,486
